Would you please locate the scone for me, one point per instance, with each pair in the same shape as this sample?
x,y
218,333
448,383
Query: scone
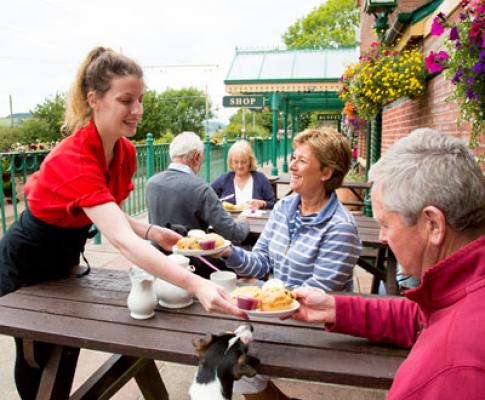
x,y
276,299
232,207
188,243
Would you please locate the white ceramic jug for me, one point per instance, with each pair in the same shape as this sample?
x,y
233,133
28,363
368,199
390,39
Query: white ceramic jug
x,y
171,296
142,299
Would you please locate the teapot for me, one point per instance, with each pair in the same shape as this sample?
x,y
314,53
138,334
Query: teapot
x,y
172,296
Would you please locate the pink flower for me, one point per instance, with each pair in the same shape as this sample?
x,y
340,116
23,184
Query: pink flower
x,y
435,62
439,24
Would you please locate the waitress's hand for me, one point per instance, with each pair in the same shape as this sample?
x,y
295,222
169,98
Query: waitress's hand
x,y
256,204
215,298
315,305
164,237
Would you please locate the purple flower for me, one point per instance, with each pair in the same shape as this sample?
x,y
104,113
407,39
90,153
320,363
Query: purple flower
x,y
479,68
435,62
438,26
457,76
482,55
470,93
454,33
463,17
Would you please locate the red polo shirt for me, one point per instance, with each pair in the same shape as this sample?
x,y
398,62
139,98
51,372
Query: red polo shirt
x,y
75,175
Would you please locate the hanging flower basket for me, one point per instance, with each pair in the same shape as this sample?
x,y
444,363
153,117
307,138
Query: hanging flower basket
x,y
463,62
382,76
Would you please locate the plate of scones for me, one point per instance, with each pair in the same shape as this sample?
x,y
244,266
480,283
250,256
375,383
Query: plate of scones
x,y
201,245
268,301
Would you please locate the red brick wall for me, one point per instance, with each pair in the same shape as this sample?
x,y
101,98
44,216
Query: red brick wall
x,y
430,110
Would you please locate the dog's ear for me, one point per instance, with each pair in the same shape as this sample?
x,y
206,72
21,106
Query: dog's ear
x,y
201,344
245,366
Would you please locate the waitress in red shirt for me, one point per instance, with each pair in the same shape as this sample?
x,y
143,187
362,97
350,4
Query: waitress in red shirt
x,y
83,182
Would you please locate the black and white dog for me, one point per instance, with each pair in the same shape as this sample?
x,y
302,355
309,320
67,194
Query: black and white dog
x,y
223,359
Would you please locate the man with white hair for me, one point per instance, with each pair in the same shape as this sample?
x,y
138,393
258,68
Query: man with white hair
x,y
177,196
428,196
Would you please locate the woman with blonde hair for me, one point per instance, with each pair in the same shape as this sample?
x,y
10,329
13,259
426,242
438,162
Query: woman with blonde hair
x,y
83,181
243,182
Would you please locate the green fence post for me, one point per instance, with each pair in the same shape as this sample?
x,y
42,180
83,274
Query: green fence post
x,y
225,149
14,189
150,155
274,108
285,139
207,160
2,199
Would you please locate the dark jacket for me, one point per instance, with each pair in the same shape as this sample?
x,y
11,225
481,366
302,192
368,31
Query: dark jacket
x,y
262,190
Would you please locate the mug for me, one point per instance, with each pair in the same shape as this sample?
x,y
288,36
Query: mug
x,y
226,279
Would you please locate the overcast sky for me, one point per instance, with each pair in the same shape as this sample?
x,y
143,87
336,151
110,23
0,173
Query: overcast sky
x,y
43,41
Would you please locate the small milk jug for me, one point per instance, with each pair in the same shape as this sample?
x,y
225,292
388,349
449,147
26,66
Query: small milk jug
x,y
142,299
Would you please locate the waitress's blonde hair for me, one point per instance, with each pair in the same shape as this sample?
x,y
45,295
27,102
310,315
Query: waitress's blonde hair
x,y
95,74
244,148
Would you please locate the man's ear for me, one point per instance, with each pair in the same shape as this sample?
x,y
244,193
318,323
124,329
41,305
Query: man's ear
x,y
435,224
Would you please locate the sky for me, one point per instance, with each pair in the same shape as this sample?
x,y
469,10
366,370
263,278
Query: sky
x,y
182,43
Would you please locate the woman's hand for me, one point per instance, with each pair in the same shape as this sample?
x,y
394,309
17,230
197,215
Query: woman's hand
x,y
256,204
164,237
227,252
215,298
315,305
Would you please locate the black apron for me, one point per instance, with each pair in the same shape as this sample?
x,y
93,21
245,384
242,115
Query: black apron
x,y
32,251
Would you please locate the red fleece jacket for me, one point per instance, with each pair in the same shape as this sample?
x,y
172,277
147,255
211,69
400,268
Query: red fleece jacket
x,y
444,322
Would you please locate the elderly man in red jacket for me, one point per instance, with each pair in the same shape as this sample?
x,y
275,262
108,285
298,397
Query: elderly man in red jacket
x,y
428,196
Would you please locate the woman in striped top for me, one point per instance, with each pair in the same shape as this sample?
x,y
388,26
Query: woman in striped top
x,y
310,238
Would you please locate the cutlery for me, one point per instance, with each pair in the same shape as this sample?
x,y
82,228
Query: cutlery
x,y
227,197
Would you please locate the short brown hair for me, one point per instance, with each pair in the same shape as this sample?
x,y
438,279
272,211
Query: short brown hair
x,y
331,149
242,147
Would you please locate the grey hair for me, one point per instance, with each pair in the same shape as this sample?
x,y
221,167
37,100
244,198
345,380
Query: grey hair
x,y
427,168
184,144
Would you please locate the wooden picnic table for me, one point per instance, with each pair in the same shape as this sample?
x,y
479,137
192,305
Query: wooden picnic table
x,y
91,313
376,258
355,187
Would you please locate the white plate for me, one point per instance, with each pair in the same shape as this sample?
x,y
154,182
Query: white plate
x,y
274,314
195,253
171,305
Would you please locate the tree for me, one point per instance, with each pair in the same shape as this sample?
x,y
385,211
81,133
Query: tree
x,y
173,111
332,24
51,111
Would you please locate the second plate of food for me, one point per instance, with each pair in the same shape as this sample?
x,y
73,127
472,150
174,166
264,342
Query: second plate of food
x,y
195,253
274,314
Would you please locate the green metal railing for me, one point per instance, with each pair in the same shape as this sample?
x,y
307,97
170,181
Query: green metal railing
x,y
151,158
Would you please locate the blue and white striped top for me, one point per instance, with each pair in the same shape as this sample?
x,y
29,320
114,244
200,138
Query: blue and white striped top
x,y
318,250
